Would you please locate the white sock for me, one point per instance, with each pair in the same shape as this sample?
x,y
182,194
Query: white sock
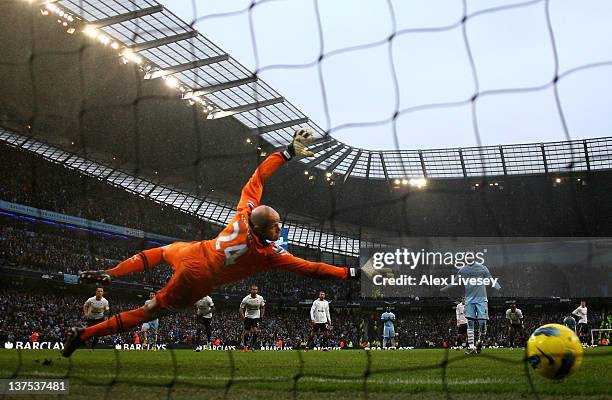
x,y
470,335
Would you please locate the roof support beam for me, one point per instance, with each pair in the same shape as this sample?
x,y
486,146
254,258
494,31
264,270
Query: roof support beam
x,y
338,160
281,125
586,155
221,86
195,212
544,161
246,107
463,164
317,160
187,66
117,19
503,159
321,143
353,163
423,167
384,167
163,41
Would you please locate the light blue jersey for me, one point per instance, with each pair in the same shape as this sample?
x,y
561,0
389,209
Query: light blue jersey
x,y
475,278
152,325
476,293
388,318
389,329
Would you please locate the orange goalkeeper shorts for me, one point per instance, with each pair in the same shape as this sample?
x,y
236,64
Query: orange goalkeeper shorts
x,y
189,281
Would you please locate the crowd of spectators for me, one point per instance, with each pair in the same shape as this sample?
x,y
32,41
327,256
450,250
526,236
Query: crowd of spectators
x,y
37,246
33,245
431,328
23,312
49,313
52,187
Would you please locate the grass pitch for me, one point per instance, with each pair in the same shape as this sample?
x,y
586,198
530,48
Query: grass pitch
x,y
184,374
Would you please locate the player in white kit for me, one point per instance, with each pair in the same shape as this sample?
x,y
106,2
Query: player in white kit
x,y
252,309
204,312
320,321
95,310
462,324
514,316
583,328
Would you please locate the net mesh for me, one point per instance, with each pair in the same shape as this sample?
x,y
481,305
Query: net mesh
x,y
367,376
272,127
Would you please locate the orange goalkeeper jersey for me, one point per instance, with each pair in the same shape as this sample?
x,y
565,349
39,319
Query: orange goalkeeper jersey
x,y
238,253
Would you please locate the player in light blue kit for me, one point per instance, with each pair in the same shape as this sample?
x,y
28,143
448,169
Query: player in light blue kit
x,y
476,302
388,330
150,328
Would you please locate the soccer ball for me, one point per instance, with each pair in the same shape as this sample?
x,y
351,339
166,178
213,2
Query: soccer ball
x,y
554,351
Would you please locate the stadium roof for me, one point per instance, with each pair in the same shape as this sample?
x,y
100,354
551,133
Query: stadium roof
x,y
87,96
165,47
211,210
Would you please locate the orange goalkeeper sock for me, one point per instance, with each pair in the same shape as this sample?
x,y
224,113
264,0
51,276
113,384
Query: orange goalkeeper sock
x,y
141,261
117,323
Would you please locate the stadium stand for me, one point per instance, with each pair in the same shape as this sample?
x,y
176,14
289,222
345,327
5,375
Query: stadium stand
x,y
48,312
52,187
34,245
482,191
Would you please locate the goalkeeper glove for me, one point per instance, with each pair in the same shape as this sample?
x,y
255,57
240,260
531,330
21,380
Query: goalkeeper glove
x,y
354,273
301,139
370,272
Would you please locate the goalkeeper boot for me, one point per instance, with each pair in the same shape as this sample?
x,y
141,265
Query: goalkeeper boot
x,y
73,342
99,277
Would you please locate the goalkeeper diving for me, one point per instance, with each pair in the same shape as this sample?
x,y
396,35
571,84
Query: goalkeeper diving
x,y
245,247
